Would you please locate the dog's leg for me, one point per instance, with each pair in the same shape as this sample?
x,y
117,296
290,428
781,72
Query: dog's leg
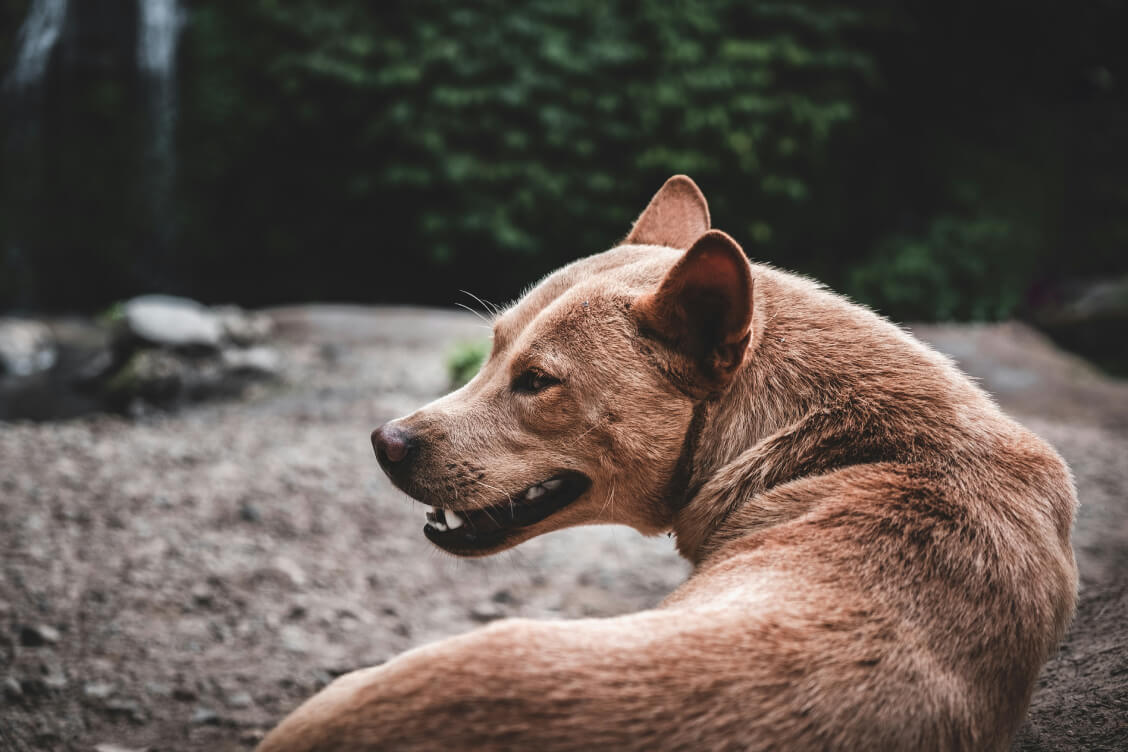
x,y
720,677
519,684
515,684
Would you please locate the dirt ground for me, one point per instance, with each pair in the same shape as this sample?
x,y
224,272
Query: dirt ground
x,y
179,582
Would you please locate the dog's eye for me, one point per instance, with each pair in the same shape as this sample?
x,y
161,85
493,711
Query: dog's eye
x,y
532,381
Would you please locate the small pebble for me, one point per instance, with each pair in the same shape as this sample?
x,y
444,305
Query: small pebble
x,y
239,700
250,512
486,612
205,717
12,689
97,690
38,635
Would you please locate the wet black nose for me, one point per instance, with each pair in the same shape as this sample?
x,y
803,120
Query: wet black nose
x,y
392,443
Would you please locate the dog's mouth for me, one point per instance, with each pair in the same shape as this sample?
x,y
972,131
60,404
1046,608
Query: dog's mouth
x,y
467,531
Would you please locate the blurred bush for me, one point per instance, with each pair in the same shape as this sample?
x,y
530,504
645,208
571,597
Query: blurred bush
x,y
935,160
464,360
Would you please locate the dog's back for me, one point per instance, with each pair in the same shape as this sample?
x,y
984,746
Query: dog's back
x,y
882,558
917,538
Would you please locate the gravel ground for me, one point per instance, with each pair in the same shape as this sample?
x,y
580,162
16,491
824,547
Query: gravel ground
x,y
179,582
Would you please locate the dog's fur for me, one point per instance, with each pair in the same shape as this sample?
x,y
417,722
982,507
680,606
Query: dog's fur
x,y
881,556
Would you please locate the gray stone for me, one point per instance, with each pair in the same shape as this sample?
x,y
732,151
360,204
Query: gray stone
x,y
184,694
486,612
38,635
258,361
252,736
125,708
97,690
172,322
249,512
1103,299
241,327
26,347
294,639
152,375
12,689
205,717
239,700
33,686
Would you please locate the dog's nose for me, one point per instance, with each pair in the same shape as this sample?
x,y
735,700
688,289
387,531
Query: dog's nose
x,y
392,443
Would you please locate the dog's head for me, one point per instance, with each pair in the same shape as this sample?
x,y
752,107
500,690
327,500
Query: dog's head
x,y
584,410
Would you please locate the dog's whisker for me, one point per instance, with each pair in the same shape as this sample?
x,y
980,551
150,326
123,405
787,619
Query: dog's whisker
x,y
485,322
491,308
609,500
498,490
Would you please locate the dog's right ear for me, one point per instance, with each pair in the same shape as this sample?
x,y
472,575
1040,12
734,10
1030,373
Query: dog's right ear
x,y
703,312
675,217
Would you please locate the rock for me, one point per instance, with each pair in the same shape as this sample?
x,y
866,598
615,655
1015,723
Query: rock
x,y
249,512
12,689
97,690
110,747
238,700
155,376
92,367
290,569
184,694
241,327
159,689
125,708
487,611
255,361
33,686
203,716
172,322
1086,302
1086,317
294,639
252,736
26,347
202,596
38,635
55,682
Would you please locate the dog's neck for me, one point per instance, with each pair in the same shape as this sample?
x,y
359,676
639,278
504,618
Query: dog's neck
x,y
781,380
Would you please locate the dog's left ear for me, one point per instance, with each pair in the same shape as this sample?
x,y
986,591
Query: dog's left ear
x,y
675,217
703,309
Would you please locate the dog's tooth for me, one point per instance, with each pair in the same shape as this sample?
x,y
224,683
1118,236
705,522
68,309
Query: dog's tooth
x,y
440,526
553,484
453,519
535,492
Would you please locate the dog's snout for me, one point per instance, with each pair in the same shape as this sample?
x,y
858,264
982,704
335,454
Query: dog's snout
x,y
392,443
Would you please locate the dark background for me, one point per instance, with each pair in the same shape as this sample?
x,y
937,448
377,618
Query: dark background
x,y
937,160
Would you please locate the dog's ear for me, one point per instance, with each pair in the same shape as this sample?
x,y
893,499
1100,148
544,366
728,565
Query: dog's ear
x,y
703,311
675,217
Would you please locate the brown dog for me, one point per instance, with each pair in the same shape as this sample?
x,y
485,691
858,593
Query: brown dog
x,y
882,558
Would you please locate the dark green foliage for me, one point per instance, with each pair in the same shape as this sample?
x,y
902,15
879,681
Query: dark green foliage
x,y
448,134
956,269
937,160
